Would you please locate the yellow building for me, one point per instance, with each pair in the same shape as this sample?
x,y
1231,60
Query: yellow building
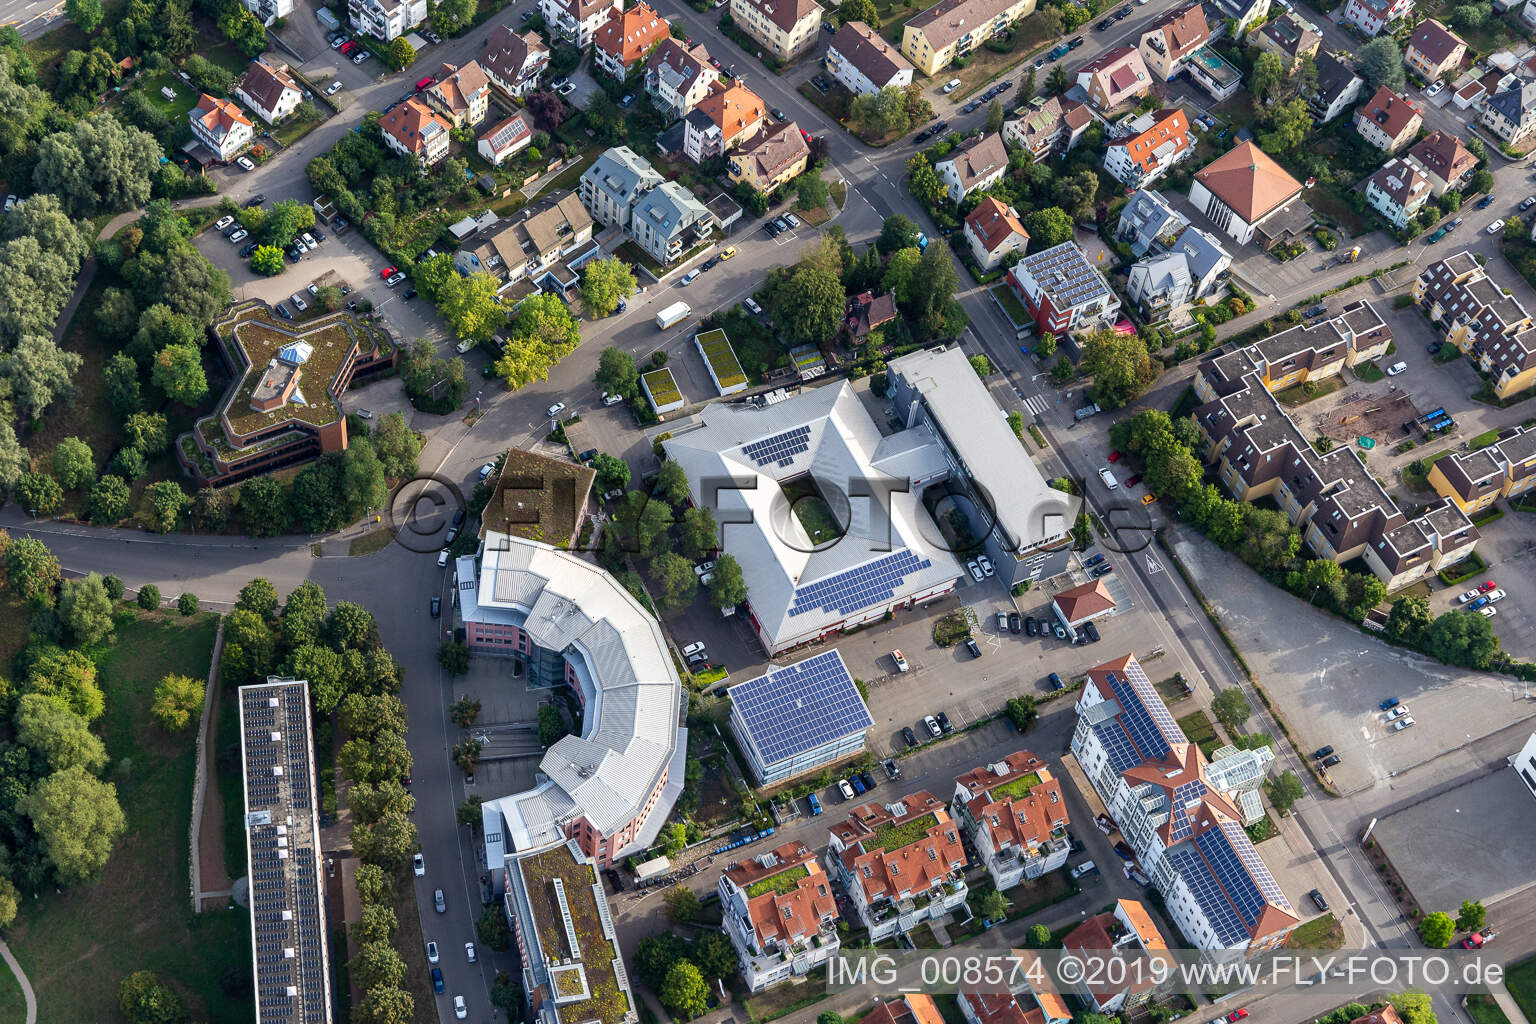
x,y
784,28
1475,480
953,28
1485,323
775,156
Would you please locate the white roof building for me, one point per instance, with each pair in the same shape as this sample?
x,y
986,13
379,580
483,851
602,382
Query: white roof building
x,y
611,788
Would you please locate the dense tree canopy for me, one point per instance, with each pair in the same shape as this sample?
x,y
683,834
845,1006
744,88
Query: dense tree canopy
x,y
97,164
78,819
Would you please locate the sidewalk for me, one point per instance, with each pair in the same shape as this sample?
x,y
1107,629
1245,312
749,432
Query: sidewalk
x,y
1509,1006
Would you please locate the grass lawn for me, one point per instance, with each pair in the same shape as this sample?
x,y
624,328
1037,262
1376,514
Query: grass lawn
x,y
812,511
1420,483
176,110
1369,372
1197,726
368,543
1301,394
1011,304
298,126
987,64
1484,1010
1172,690
48,49
1521,979
78,946
1319,933
12,1005
781,1000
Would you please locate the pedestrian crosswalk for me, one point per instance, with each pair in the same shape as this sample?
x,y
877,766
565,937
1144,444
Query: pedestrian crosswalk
x,y
1037,404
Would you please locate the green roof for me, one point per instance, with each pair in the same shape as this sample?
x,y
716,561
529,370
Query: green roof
x,y
1018,787
662,387
896,836
608,1002
722,359
781,883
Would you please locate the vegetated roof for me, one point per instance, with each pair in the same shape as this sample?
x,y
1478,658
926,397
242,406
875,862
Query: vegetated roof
x,y
898,834
608,999
722,358
663,388
537,498
783,882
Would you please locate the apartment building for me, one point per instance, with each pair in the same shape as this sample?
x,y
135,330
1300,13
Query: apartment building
x,y
1035,1003
412,128
678,76
1342,512
1445,163
1289,36
1388,120
1014,815
1338,88
900,863
1142,149
577,21
780,913
386,20
626,38
727,116
221,126
1149,223
513,62
953,28
1371,16
1116,77
1475,480
974,167
461,94
1048,127
1487,324
994,232
1128,928
537,240
1168,43
505,139
1397,191
775,156
863,62
1510,113
614,183
1063,291
269,91
1190,268
1434,51
784,28
668,222
1185,833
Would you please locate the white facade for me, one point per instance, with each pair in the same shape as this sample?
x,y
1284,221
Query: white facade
x,y
1370,18
808,936
386,20
867,55
268,11
577,21
1525,763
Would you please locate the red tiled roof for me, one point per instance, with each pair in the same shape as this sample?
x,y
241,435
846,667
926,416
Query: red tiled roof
x,y
218,116
1434,41
1169,125
627,35
1082,601
1389,111
733,108
994,223
1248,181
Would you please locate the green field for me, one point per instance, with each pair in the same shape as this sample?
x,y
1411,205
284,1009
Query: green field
x,y
77,946
1521,981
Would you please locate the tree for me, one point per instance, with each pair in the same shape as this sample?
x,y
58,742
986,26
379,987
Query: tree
x,y
147,431
675,580
684,991
994,905
547,108
469,812
1231,708
73,464
551,726
167,504
897,233
1381,63
901,275
672,483
14,459
1267,74
858,10
811,191
729,587
682,904
1482,181
1408,619
507,994
1038,936
617,373
995,117
1437,929
78,819
35,286
656,954
68,678
36,373
260,597
882,113
149,597
362,475
400,55
121,377
86,14
1021,712
187,604
39,493
982,365
454,658
1285,790
145,999
1458,638
32,571
388,842
98,164
1413,1007
543,333
385,1005
713,955
1049,226
368,714
61,738
250,650
267,260
9,902
643,522
178,371
1121,366
493,929
466,754
178,701
1472,916
612,472
604,283
464,711
924,182
1057,82
1290,124
698,533
286,219
397,446
86,610
377,965
808,306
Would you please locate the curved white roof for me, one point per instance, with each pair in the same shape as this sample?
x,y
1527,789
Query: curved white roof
x,y
626,674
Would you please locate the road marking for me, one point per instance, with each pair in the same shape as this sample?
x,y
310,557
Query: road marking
x,y
1153,565
1037,404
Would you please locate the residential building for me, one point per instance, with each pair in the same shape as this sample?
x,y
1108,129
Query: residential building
x,y
798,591
1063,291
1510,113
614,184
386,20
505,140
1080,604
577,21
572,626
1475,480
668,221
1434,51
1048,127
411,128
863,62
1525,763
677,76
219,125
557,230
1142,149
1012,509
974,167
1528,13
268,11
1388,120
1167,44
1371,16
1338,88
1014,815
952,28
728,115
513,62
912,1008
776,155
286,903
1185,833
1443,160
901,864
1241,13
1149,224
797,718
779,912
1208,261
1211,72
1241,775
1190,269
461,94
1035,1003
626,38
868,312
1386,1015
1340,508
1114,78
1482,319
784,28
1127,928
1397,191
269,91
993,231
1289,35
1243,191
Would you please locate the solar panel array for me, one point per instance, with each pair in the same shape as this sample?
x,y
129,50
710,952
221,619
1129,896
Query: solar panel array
x,y
1066,274
860,587
1256,871
1207,891
801,706
780,448
1179,823
287,908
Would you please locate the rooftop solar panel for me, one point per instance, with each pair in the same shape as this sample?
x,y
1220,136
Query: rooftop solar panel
x,y
860,587
799,707
1203,885
780,448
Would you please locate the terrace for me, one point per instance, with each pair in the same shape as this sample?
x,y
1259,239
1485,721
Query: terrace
x,y
606,1001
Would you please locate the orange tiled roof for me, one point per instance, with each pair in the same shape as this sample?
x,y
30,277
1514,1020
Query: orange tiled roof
x,y
1168,125
218,116
455,85
627,35
733,108
911,868
1085,599
411,123
994,223
1248,181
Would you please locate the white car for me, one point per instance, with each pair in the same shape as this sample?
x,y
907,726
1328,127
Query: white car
x,y
469,951
309,240
689,277
554,410
1401,711
333,89
986,564
239,236
976,572
794,221
464,346
298,302
845,789
10,203
432,956
900,660
1495,595
245,164
419,865
703,568
752,305
459,1009
1396,368
1108,478
933,726
1434,90
1495,227
222,223
1487,611
697,647
1471,595
566,89
1401,724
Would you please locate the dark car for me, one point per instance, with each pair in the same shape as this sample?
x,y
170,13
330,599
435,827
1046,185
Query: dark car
x,y
1095,560
1103,26
1133,480
319,235
781,223
1123,13
867,779
1331,760
1055,680
247,250
773,231
1092,631
711,263
410,293
255,201
437,607
1317,310
1030,627
1103,570
943,721
1075,845
1485,202
1434,347
1015,622
778,115
908,735
1321,752
970,645
458,517
1075,42
942,126
1317,898
970,108
922,135
282,311
437,979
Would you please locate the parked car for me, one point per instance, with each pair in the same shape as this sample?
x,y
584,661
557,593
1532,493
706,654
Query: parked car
x,y
239,236
909,736
690,277
1495,595
1029,626
1388,704
1055,680
1331,760
1488,612
1404,723
933,726
418,865
1318,901
554,410
794,221
219,225
1486,201
1061,631
1486,586
868,780
437,979
1434,90
282,311
1321,752
1102,570
845,789
857,783
900,660
245,164
1092,631
333,89
1237,1015
970,645
460,1011
1096,559
439,901
1397,712
1495,227
752,305
813,803
986,565
975,571
487,469
943,722
432,956
1015,622
1477,605
1396,368
436,607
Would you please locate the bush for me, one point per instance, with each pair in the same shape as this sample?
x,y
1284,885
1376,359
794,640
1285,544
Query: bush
x,y
115,588
187,604
149,597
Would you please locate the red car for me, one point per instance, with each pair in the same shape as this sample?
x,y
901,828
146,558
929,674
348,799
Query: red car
x,y
1237,1015
1133,480
1114,456
387,273
1487,586
348,46
805,135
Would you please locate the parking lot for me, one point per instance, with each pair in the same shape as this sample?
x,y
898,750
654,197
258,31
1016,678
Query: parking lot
x,y
1509,547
